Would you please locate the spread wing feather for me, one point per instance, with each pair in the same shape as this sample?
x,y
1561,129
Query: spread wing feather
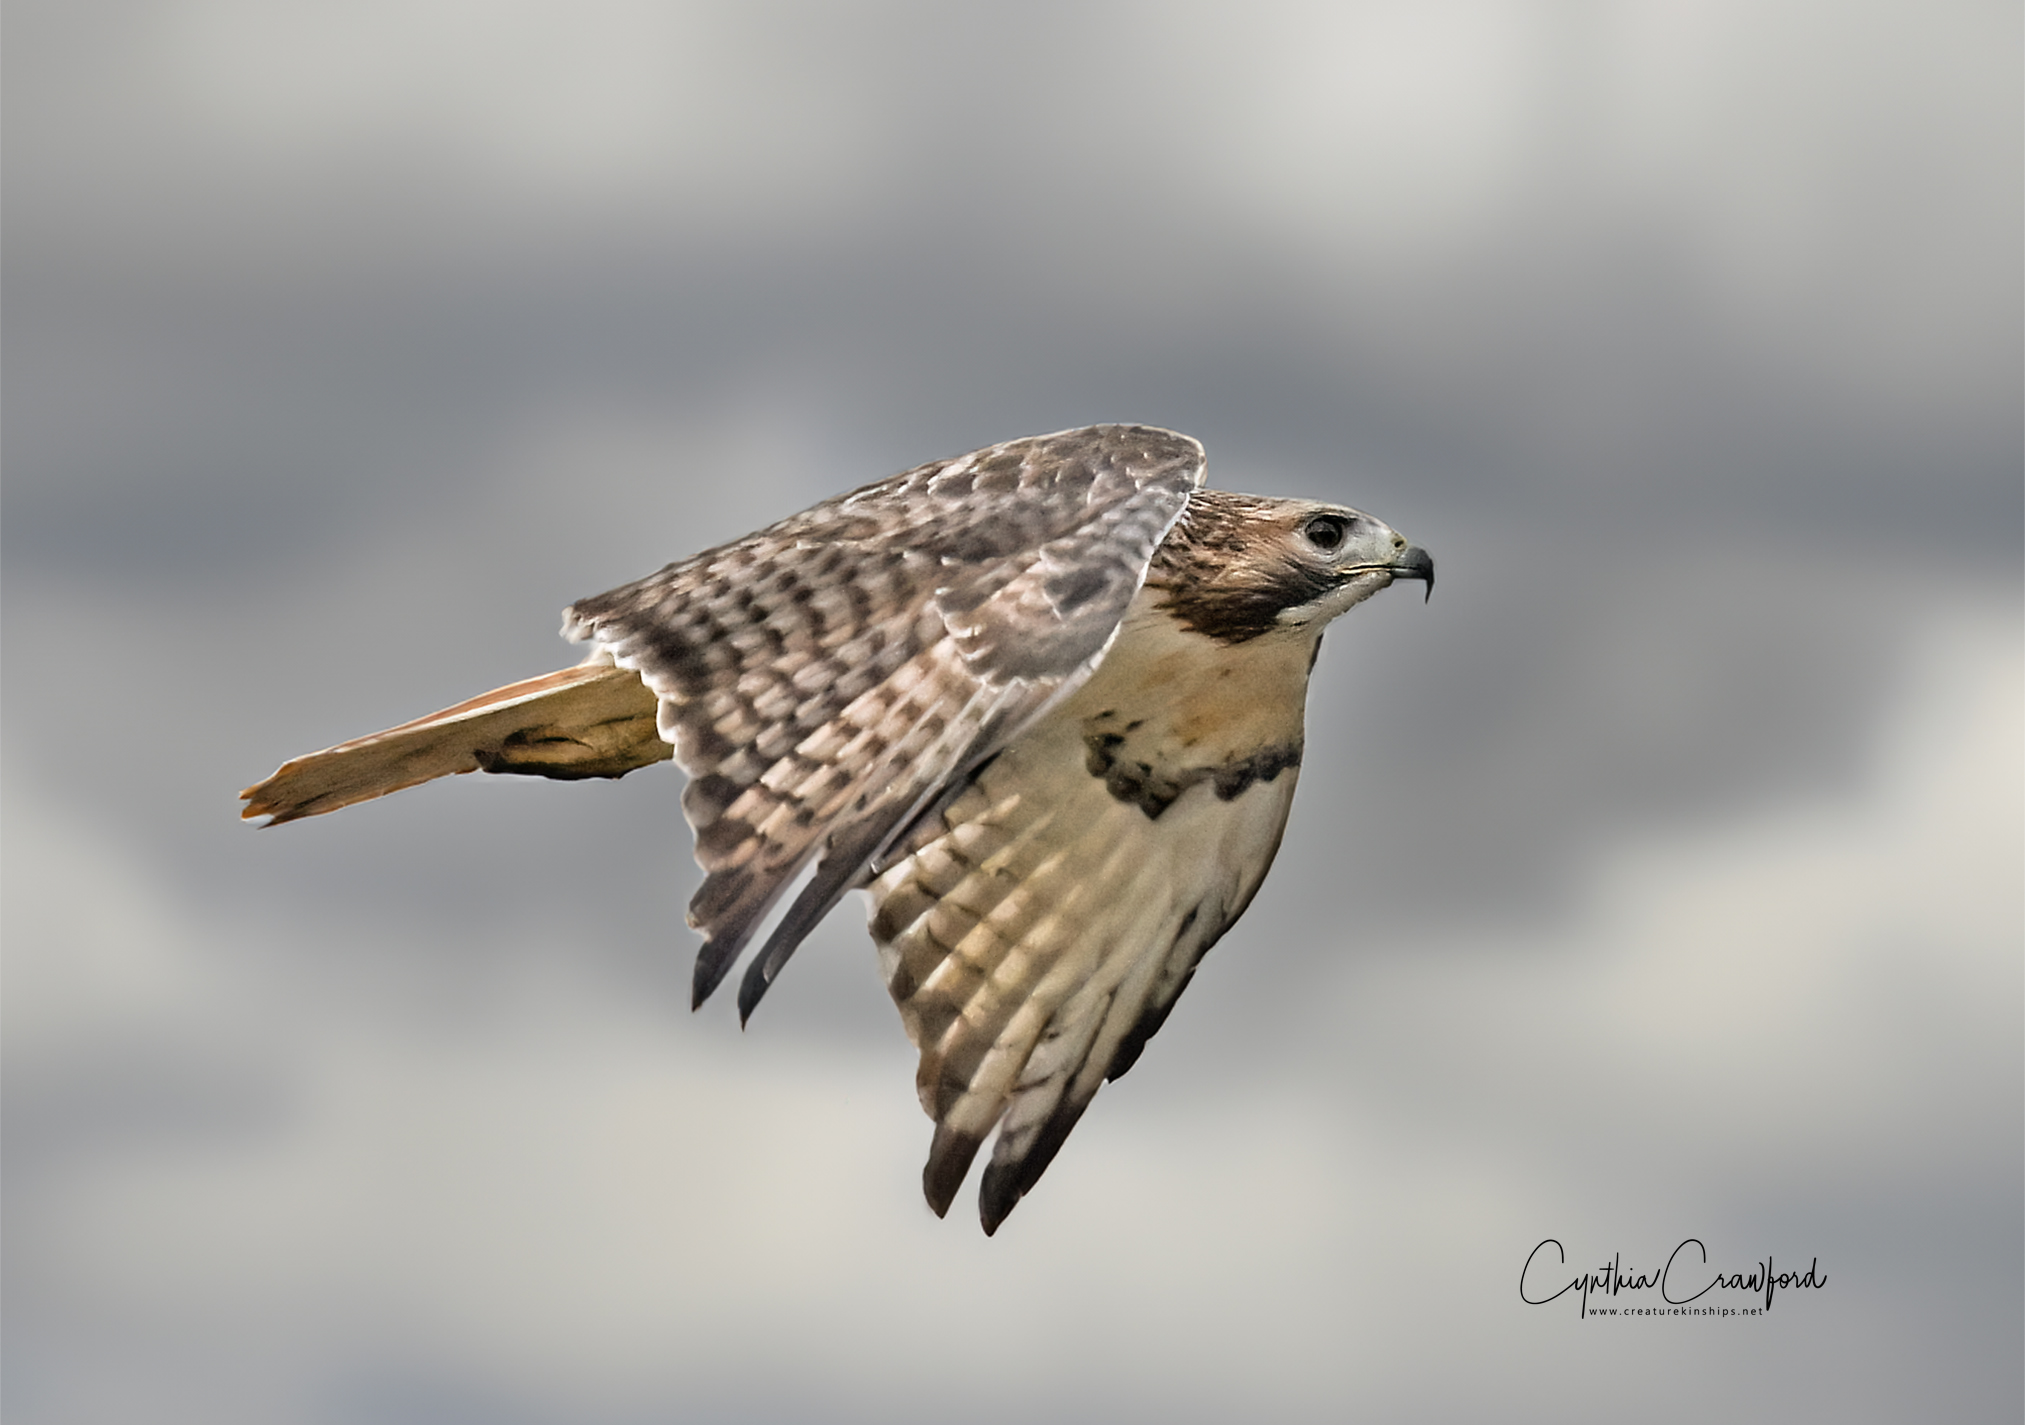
x,y
825,680
1039,931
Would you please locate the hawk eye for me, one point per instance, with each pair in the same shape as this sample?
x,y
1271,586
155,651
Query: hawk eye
x,y
1326,532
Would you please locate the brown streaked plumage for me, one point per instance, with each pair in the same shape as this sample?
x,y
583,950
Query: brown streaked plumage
x,y
1044,702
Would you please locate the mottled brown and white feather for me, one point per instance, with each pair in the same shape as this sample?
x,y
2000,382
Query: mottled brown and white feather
x,y
1041,927
825,678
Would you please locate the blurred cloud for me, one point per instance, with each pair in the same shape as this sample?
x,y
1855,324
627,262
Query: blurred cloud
x,y
541,103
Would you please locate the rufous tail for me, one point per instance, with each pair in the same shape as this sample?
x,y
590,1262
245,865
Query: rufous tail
x,y
593,720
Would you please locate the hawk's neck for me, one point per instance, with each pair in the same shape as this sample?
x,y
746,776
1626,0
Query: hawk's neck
x,y
1171,707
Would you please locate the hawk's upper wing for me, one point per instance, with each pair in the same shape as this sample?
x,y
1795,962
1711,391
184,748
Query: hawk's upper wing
x,y
825,680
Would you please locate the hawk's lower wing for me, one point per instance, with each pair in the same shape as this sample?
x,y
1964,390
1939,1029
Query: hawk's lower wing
x,y
1040,932
826,679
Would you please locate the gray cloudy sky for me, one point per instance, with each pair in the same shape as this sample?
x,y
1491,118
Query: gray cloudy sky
x,y
1659,879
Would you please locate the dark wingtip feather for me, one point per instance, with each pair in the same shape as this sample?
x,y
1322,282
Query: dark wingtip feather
x,y
713,963
949,1158
1008,1180
845,857
752,989
997,1196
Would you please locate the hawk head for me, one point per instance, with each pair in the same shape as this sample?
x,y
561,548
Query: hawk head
x,y
1240,566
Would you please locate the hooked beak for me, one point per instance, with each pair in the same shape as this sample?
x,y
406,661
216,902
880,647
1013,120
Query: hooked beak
x,y
1415,563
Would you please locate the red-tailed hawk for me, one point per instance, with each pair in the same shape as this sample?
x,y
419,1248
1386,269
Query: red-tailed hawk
x,y
1044,702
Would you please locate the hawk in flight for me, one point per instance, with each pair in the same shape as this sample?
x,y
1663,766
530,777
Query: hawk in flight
x,y
1043,702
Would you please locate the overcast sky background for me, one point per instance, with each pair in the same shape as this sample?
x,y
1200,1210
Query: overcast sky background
x,y
1660,878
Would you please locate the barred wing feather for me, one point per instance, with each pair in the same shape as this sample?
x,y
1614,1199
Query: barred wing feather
x,y
1037,934
826,680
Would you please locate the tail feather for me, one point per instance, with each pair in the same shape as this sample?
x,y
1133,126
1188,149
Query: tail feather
x,y
593,720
